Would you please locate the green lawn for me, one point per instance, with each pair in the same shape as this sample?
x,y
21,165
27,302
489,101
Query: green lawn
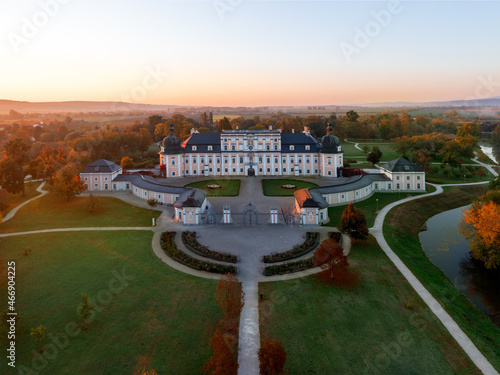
x,y
161,312
438,176
52,211
368,207
368,330
401,232
273,187
229,188
16,199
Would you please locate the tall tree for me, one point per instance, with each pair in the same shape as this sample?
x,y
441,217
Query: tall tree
x,y
353,223
351,116
481,226
329,255
224,124
229,295
11,177
272,357
373,158
152,121
67,182
16,155
223,360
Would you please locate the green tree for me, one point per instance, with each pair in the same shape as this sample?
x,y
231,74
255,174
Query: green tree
x,y
373,158
16,155
351,116
353,223
85,310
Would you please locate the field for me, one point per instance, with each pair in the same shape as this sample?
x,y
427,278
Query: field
x,y
228,188
438,177
368,207
52,211
401,232
149,309
379,327
273,187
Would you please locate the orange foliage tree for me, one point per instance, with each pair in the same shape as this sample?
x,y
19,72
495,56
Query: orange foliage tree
x,y
272,357
353,223
67,182
481,226
223,360
229,296
329,255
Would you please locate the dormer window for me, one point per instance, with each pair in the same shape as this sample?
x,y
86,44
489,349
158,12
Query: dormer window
x,y
97,169
193,148
210,148
308,147
292,148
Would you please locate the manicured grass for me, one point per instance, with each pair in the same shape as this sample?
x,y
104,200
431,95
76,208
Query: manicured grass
x,y
350,150
16,199
401,232
273,187
229,188
388,152
52,211
368,330
439,178
160,311
368,207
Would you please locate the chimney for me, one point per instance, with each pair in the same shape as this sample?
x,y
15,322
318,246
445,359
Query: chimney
x,y
306,129
270,127
293,130
237,127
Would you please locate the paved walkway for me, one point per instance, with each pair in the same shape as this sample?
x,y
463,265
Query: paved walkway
x,y
12,212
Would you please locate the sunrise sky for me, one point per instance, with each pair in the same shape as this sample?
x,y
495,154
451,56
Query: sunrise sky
x,y
248,53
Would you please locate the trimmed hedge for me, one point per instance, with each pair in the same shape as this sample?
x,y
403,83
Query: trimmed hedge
x,y
290,267
168,245
189,240
311,242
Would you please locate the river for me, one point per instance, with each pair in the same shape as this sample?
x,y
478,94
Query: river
x,y
489,151
446,248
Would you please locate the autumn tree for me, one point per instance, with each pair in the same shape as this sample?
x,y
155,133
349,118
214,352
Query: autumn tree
x,y
329,255
143,362
229,296
224,124
126,162
481,226
272,357
223,360
351,116
16,155
422,158
67,182
353,223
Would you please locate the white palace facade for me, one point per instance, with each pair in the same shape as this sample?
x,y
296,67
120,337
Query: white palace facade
x,y
251,153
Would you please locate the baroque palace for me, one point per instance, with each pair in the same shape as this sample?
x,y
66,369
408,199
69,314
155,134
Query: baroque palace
x,y
251,153
255,153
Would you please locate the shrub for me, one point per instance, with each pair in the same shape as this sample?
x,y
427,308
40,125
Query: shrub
x,y
168,245
189,240
290,267
93,203
311,242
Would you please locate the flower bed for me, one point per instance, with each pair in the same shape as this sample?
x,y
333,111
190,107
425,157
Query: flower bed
x,y
189,239
168,245
311,242
290,267
289,186
213,186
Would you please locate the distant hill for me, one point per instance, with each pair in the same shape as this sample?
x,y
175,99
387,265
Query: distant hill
x,y
77,106
486,102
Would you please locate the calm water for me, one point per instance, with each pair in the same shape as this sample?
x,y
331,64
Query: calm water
x,y
489,151
446,248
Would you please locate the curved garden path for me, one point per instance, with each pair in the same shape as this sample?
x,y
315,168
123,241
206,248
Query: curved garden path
x,y
12,212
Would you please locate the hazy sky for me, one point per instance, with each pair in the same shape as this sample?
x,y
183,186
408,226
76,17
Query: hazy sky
x,y
249,53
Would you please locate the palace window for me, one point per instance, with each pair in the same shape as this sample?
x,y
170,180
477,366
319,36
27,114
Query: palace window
x,y
376,186
300,161
268,160
193,148
233,147
408,178
308,160
241,170
173,174
275,140
210,160
276,147
105,179
397,186
85,178
418,186
308,171
284,169
276,170
194,160
225,147
234,170
342,196
316,160
225,160
202,160
315,171
105,186
260,170
268,170
218,170
291,160
397,177
194,172
418,177
276,160
408,186
308,147
292,147
329,173
95,178
233,160
329,160
225,170
268,147
218,160
241,160
260,160
173,161
210,148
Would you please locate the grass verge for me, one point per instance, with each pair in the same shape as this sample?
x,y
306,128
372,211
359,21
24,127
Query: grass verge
x,y
228,188
159,311
401,232
52,211
16,199
273,187
379,327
